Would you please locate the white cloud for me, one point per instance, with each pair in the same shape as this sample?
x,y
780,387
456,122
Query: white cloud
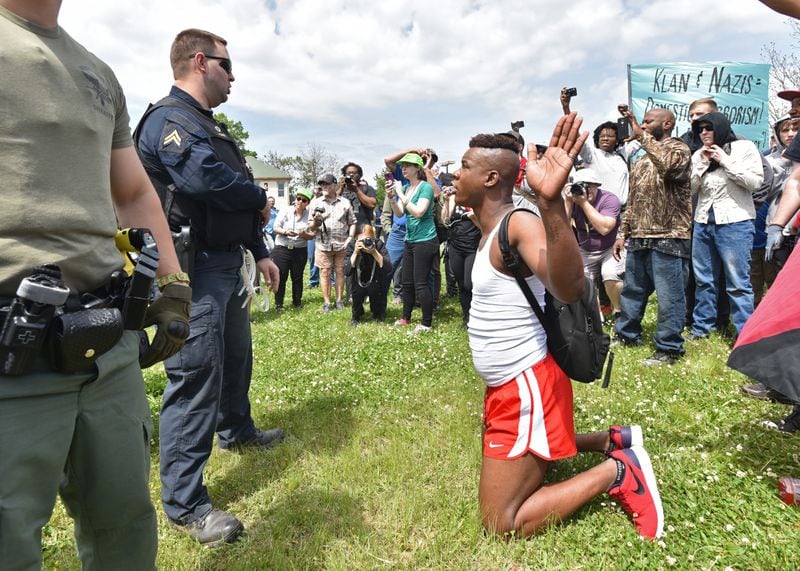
x,y
322,64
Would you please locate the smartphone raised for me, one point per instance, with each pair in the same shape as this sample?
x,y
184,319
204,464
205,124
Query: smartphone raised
x,y
623,128
389,177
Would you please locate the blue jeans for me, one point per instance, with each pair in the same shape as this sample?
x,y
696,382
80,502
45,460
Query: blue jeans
x,y
727,246
313,279
208,383
395,245
647,271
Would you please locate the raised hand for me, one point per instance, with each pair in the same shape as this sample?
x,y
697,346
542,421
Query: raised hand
x,y
547,176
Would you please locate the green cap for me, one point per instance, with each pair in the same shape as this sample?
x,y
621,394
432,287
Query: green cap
x,y
412,159
305,193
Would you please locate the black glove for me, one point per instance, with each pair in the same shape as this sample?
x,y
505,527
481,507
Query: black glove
x,y
170,314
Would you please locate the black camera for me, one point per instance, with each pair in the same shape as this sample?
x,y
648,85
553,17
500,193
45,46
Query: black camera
x,y
348,179
517,125
319,210
368,242
571,92
577,189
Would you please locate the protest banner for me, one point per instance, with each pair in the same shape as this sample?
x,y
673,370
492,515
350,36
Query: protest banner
x,y
741,91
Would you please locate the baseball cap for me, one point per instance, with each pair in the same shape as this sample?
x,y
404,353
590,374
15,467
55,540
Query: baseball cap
x,y
586,175
327,179
412,159
789,94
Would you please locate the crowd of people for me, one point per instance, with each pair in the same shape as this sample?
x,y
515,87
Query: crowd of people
x,y
73,412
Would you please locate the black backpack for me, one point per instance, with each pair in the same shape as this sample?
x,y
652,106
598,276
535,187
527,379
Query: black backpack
x,y
575,335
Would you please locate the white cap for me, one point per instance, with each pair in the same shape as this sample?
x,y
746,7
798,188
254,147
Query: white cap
x,y
586,175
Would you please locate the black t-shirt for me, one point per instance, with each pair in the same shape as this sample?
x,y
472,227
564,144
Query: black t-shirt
x,y
363,214
464,235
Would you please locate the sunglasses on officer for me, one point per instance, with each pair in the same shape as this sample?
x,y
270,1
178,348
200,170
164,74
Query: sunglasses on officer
x,y
225,63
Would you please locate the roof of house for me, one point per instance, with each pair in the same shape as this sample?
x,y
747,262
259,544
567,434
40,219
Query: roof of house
x,y
262,170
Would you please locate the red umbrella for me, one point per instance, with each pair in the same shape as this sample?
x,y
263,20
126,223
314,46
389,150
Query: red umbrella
x,y
768,348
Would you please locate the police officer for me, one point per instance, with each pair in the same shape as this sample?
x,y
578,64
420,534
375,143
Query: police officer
x,y
67,166
205,184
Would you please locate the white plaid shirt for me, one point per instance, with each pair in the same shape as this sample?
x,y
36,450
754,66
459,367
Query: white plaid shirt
x,y
339,218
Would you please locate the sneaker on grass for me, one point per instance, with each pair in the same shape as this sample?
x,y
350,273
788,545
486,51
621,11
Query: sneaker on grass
x,y
662,358
636,490
419,329
402,322
624,437
791,423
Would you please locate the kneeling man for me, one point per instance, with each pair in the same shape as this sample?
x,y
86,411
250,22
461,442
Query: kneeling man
x,y
528,417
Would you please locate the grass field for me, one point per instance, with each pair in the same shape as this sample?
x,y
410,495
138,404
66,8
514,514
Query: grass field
x,y
380,469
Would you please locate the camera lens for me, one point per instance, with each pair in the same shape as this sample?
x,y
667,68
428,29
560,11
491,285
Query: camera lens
x,y
576,189
368,242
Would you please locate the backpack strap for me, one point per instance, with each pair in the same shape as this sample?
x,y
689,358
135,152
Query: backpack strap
x,y
513,262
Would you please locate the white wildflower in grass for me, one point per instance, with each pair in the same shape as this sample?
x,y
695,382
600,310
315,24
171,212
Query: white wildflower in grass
x,y
671,560
662,544
745,540
740,474
729,527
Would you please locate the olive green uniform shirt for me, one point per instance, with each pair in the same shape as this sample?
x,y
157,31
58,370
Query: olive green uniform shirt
x,y
56,199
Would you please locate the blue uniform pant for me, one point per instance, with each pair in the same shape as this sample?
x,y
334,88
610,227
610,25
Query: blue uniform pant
x,y
208,384
86,437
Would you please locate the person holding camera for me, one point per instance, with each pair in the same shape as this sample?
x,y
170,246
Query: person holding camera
x,y
360,194
334,224
367,264
291,247
595,215
605,155
421,244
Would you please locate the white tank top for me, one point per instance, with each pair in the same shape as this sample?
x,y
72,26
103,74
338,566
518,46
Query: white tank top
x,y
505,335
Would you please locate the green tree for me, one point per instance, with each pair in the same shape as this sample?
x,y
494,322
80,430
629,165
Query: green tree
x,y
237,131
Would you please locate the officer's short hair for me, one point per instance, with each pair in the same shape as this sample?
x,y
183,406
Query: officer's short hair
x,y
189,42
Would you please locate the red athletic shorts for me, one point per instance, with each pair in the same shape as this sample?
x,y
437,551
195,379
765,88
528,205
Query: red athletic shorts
x,y
531,412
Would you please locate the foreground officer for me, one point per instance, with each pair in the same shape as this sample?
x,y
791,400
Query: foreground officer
x,y
208,193
72,421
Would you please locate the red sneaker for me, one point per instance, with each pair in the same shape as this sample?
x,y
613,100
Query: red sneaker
x,y
635,489
624,437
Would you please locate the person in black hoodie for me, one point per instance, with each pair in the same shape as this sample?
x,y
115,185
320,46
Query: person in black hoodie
x,y
367,263
726,172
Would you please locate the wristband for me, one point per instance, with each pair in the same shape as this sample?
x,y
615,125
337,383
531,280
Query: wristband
x,y
170,278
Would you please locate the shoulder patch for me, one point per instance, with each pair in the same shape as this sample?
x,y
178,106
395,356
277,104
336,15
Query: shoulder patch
x,y
172,138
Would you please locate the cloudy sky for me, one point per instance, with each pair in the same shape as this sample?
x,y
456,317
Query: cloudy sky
x,y
365,78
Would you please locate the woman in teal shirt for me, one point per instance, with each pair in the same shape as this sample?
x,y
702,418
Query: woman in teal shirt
x,y
415,199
